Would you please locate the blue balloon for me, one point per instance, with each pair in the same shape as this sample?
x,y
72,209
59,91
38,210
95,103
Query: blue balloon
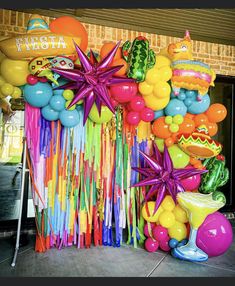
x,y
57,102
159,113
69,118
181,95
39,94
49,113
198,107
188,102
184,241
191,93
172,95
174,107
173,243
79,107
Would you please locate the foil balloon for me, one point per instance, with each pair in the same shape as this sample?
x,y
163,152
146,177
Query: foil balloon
x,y
62,62
217,176
161,176
139,57
41,67
39,41
92,81
199,144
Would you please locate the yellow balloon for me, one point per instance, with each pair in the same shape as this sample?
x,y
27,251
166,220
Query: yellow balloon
x,y
168,203
162,89
2,80
145,88
180,214
16,92
2,95
68,103
166,73
106,114
155,103
162,61
152,76
68,94
179,158
178,231
14,72
166,219
160,143
151,207
7,89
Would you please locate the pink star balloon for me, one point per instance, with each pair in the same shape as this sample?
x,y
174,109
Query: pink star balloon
x,y
92,80
162,177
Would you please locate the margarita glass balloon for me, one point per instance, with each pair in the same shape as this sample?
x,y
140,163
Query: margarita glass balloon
x,y
198,207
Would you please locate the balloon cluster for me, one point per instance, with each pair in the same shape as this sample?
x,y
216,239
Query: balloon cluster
x,y
169,222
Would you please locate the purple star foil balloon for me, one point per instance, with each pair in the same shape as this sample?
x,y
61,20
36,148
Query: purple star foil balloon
x,y
92,80
162,177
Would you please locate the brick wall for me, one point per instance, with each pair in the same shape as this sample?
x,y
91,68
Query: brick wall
x,y
220,57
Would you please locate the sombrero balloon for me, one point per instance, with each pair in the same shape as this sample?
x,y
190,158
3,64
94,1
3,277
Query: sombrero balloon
x,y
199,144
39,41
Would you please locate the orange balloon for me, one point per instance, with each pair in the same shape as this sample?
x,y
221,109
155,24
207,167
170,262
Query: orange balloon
x,y
160,128
122,70
107,47
70,26
174,136
189,115
169,142
212,128
187,126
216,112
198,165
193,161
200,119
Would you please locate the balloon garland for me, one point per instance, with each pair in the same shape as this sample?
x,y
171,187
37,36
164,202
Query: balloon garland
x,y
93,121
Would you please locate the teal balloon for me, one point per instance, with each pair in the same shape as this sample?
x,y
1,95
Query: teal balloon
x,y
39,94
79,107
69,118
174,107
197,107
181,95
191,93
49,113
188,102
57,102
159,113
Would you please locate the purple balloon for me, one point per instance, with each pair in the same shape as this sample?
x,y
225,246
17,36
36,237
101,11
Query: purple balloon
x,y
215,235
151,245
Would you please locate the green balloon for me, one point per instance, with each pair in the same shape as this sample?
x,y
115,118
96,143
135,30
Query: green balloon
x,y
179,158
106,114
160,144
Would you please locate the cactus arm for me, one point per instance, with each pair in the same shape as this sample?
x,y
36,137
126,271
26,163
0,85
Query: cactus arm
x,y
125,50
151,59
224,177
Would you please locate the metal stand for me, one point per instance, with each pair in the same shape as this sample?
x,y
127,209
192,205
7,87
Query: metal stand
x,y
24,170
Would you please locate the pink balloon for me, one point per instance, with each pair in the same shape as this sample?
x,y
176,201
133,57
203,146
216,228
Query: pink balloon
x,y
151,245
215,235
137,103
147,114
164,245
113,102
191,183
124,92
160,233
31,79
146,230
43,79
133,118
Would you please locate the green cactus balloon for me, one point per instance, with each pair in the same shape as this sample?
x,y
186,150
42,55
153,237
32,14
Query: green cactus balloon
x,y
139,58
217,175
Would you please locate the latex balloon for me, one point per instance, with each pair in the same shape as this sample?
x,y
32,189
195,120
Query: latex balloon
x,y
162,61
2,80
106,114
200,119
166,219
6,89
145,88
107,47
187,126
178,231
169,142
31,79
175,107
68,94
212,128
159,113
57,102
166,73
174,127
151,245
216,112
49,114
191,183
164,244
133,118
137,103
197,107
151,207
180,214
160,144
160,233
153,76
162,89
38,95
178,119
173,242
123,70
69,118
148,228
147,114
14,72
16,93
168,203
215,235
67,105
179,158
160,128
123,92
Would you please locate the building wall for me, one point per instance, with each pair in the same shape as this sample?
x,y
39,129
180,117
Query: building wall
x,y
220,57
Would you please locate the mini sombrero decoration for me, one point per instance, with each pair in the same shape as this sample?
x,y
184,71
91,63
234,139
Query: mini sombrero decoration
x,y
38,41
199,144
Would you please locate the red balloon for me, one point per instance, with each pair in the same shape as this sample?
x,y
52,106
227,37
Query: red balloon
x,y
137,103
31,79
147,114
133,118
124,92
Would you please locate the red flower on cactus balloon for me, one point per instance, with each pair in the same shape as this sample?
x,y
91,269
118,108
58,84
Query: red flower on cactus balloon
x,y
162,176
92,80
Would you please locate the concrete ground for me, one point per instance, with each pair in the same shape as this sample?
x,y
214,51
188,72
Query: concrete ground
x,y
108,261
